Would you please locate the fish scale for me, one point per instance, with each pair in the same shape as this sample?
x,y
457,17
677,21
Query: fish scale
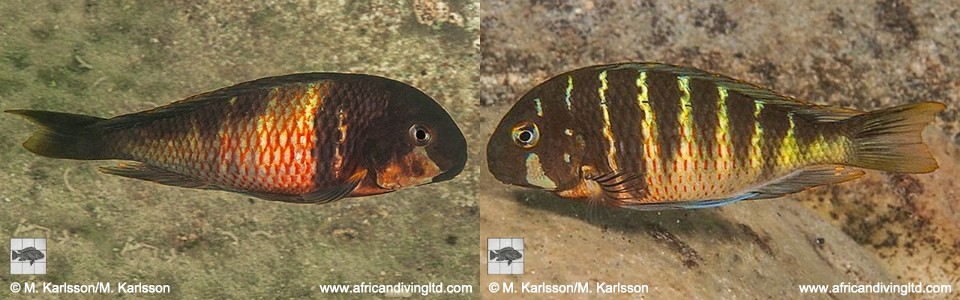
x,y
304,138
179,152
655,136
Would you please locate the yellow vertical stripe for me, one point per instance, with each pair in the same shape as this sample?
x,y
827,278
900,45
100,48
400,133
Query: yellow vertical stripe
x,y
649,128
607,128
725,149
756,141
569,92
687,140
265,131
789,151
817,149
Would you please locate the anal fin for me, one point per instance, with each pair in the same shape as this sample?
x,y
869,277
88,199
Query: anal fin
x,y
806,178
156,174
696,204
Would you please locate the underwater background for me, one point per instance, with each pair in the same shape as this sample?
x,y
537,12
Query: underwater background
x,y
105,58
865,55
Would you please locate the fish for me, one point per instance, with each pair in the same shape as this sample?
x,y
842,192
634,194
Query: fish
x,y
28,253
506,254
297,138
653,136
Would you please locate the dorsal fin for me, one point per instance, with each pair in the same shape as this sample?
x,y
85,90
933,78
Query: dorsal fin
x,y
768,97
262,85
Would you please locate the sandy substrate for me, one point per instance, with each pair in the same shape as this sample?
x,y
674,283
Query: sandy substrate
x,y
105,58
862,55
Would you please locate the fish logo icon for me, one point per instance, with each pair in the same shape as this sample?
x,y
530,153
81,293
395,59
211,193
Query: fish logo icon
x,y
25,254
506,254
28,256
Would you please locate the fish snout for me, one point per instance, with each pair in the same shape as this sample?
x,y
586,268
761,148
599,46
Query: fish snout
x,y
449,173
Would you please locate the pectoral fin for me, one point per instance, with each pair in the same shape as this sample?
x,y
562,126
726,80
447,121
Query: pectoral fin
x,y
621,189
320,196
338,192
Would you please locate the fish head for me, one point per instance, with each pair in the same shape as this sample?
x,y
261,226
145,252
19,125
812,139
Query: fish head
x,y
419,142
533,145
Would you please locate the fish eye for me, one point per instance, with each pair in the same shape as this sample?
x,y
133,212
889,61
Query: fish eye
x,y
526,135
419,135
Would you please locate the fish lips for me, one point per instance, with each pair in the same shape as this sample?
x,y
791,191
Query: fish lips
x,y
500,169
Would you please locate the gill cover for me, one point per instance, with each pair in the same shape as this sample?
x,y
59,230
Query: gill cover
x,y
530,147
419,143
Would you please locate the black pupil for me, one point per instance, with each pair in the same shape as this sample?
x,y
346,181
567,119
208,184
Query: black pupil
x,y
420,134
526,136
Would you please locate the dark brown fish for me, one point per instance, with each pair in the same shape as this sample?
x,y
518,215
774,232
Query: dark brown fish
x,y
305,138
651,136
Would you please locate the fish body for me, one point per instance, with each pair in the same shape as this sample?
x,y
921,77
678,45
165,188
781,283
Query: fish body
x,y
28,253
651,136
305,138
506,254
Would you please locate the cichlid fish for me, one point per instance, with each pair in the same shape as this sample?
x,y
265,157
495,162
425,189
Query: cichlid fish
x,y
506,254
304,138
651,136
28,253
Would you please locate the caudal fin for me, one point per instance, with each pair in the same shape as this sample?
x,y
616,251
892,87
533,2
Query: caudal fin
x,y
891,139
63,135
14,255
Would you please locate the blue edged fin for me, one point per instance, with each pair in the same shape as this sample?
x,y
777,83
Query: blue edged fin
x,y
788,184
691,204
806,178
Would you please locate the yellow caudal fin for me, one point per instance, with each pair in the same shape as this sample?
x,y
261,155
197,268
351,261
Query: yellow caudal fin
x,y
891,139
